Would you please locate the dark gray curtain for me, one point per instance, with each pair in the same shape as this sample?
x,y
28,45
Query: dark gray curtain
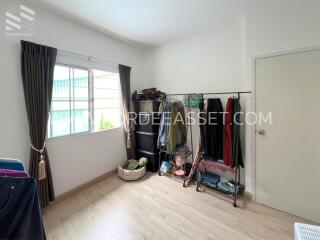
x,y
37,67
124,72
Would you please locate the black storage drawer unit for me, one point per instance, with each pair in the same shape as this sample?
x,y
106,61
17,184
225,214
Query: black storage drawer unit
x,y
153,159
146,132
147,141
148,122
148,106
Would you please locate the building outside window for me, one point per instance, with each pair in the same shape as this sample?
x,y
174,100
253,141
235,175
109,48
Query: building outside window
x,y
83,101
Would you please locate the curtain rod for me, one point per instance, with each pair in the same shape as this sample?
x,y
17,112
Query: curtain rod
x,y
212,93
89,58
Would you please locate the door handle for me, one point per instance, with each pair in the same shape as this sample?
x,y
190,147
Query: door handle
x,y
262,132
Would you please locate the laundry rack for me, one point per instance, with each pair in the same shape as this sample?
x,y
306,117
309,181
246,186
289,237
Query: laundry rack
x,y
236,172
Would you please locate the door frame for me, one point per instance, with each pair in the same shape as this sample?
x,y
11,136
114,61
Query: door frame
x,y
254,109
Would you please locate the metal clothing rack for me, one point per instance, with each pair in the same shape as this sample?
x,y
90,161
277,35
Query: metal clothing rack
x,y
237,170
208,93
185,155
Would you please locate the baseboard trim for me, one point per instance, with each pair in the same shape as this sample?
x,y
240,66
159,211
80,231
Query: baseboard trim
x,y
248,195
83,186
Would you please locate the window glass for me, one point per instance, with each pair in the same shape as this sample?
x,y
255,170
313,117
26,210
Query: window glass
x,y
80,101
60,106
84,100
106,91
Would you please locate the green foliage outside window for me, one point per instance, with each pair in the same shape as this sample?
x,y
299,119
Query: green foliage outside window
x,y
105,124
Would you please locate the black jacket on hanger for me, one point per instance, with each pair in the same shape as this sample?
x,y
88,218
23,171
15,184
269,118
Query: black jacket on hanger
x,y
214,133
237,158
202,125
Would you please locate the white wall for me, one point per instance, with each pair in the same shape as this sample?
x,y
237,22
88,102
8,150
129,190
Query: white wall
x,y
272,27
74,160
207,62
211,61
221,60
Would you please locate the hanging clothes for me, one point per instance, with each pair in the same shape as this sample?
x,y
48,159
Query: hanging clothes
x,y
202,125
228,133
194,100
214,133
237,158
177,130
164,125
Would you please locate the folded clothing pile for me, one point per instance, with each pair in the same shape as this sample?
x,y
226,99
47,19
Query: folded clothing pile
x,y
13,173
148,94
11,164
215,181
225,186
210,179
20,216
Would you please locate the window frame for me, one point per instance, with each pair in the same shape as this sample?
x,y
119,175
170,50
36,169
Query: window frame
x,y
91,117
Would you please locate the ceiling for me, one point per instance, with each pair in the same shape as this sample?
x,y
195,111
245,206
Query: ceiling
x,y
146,23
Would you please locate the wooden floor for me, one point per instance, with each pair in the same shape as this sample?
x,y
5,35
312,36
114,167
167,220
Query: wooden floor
x,y
160,208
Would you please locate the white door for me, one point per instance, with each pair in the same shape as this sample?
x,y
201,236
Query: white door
x,y
288,151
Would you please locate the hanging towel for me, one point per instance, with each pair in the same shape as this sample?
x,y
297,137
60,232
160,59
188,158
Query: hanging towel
x,y
214,133
237,158
228,133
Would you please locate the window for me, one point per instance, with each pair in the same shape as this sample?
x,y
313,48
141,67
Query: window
x,y
84,100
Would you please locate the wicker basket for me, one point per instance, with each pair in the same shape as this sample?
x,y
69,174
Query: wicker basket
x,y
131,175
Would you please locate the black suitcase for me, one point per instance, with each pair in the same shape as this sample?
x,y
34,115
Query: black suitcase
x,y
153,159
146,141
